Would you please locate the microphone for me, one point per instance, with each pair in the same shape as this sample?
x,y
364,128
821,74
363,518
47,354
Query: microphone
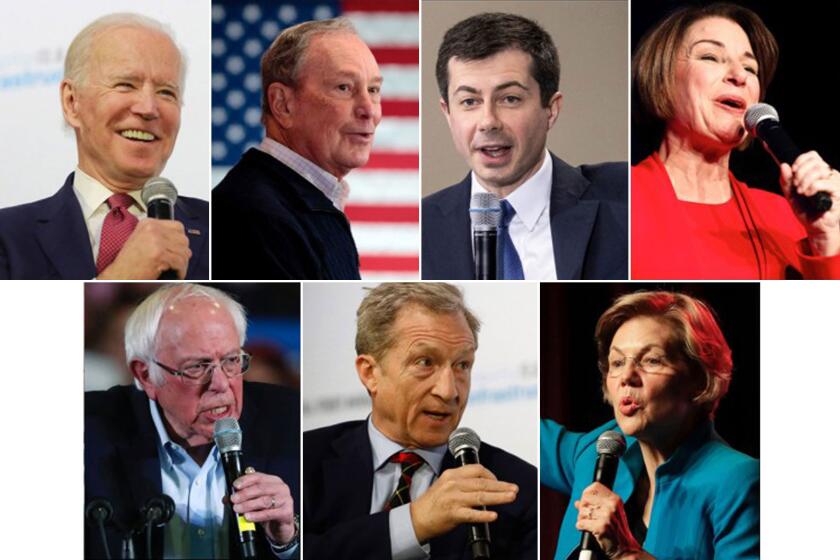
x,y
610,446
762,122
228,438
156,512
159,196
485,215
464,444
99,511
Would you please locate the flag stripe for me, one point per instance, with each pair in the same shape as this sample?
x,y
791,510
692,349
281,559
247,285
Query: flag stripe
x,y
393,160
379,6
397,134
384,186
396,55
404,263
391,29
382,213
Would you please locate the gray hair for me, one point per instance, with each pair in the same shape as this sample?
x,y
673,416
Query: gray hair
x,y
141,329
283,59
78,53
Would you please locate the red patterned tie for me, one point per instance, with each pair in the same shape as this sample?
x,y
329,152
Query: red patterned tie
x,y
409,463
119,223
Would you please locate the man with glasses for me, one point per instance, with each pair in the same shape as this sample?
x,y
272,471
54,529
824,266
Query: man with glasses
x,y
184,349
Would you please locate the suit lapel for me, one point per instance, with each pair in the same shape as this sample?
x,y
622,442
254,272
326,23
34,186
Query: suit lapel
x,y
348,476
572,219
63,236
451,545
456,210
196,235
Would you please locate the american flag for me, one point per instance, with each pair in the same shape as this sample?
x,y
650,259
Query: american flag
x,y
383,203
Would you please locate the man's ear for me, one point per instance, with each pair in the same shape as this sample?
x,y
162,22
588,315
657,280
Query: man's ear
x,y
444,108
366,368
69,93
554,106
140,372
281,103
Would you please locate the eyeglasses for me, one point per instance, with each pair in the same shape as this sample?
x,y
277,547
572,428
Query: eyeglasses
x,y
200,373
649,363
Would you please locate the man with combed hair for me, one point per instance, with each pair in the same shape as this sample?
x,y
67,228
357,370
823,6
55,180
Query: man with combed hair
x,y
184,348
278,214
498,76
387,487
122,95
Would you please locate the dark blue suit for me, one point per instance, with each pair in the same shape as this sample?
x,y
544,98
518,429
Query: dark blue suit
x,y
588,213
338,483
48,239
122,465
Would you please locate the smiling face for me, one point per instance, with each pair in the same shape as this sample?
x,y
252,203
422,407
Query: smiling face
x,y
420,386
192,330
335,108
496,117
127,110
715,81
649,406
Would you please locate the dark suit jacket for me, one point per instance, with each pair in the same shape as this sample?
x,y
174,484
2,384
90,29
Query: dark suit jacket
x,y
48,239
271,223
337,486
122,465
588,212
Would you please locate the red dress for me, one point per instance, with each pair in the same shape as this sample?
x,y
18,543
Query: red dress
x,y
754,235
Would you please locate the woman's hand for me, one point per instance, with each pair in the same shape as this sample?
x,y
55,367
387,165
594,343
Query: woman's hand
x,y
601,512
808,175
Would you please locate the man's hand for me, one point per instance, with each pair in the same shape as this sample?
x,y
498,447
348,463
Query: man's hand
x,y
266,499
454,499
154,246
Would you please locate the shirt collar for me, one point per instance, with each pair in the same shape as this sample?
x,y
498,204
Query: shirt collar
x,y
531,198
92,194
334,189
165,443
384,448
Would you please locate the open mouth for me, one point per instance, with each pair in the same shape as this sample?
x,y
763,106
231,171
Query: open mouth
x,y
732,102
439,416
138,135
494,150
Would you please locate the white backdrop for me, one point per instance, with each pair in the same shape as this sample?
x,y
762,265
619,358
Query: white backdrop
x,y
504,400
38,150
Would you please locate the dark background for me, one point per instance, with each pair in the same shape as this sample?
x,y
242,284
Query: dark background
x,y
570,383
803,90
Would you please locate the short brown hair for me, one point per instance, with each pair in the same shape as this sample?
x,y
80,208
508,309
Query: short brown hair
x,y
378,311
283,59
696,336
654,60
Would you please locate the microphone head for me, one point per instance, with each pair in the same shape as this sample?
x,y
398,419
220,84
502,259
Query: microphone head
x,y
227,435
157,188
98,510
485,211
758,113
462,439
611,443
159,509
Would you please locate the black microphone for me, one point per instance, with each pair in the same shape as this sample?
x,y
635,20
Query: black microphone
x,y
610,446
228,437
159,196
762,122
156,512
464,444
485,215
99,511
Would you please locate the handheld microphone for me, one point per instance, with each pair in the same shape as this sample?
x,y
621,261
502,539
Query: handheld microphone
x,y
610,446
228,438
99,511
485,216
159,196
762,122
464,444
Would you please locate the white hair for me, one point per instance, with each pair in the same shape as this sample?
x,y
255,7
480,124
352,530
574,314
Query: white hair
x,y
78,53
141,329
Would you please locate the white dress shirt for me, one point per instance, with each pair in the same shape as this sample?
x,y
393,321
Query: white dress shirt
x,y
530,228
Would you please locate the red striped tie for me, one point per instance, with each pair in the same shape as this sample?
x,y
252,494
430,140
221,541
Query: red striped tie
x,y
119,223
409,463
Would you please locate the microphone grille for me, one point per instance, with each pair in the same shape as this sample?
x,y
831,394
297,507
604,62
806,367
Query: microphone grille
x,y
463,438
227,435
611,443
757,113
159,187
485,210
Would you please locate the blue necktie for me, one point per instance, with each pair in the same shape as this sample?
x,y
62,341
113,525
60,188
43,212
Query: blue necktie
x,y
509,263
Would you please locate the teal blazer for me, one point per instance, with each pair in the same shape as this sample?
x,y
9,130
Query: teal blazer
x,y
707,494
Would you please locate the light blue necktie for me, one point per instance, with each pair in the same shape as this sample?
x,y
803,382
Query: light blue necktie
x,y
509,263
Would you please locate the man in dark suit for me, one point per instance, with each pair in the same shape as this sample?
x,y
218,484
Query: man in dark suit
x,y
387,487
183,346
278,214
121,93
498,76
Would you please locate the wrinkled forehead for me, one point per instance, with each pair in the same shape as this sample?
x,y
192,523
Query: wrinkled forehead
x,y
128,47
335,51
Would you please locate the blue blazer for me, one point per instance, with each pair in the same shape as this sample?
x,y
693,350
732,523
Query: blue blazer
x,y
338,483
588,212
707,494
48,239
122,465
